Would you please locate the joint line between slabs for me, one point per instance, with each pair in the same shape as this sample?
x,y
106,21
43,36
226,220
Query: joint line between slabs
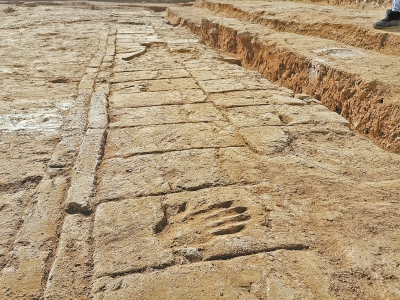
x,y
171,151
292,247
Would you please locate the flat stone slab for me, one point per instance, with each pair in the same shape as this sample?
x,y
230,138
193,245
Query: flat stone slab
x,y
137,29
221,85
73,257
156,98
11,211
83,176
97,117
235,83
251,116
333,147
204,75
131,47
156,85
265,140
250,98
147,75
283,275
130,141
146,65
186,227
155,115
154,174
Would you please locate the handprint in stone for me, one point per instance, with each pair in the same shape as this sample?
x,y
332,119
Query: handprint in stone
x,y
192,227
214,225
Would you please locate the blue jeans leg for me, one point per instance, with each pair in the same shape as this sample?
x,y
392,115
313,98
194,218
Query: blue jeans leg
x,y
396,5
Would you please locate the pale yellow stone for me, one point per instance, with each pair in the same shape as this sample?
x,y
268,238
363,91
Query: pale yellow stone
x,y
132,141
154,115
156,98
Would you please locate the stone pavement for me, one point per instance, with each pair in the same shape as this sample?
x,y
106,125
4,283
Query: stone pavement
x,y
198,179
211,172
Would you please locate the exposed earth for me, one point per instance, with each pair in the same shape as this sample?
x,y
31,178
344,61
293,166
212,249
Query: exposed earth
x,y
215,150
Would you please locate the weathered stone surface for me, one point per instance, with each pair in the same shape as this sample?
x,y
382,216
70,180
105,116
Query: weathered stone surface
x,y
70,274
132,141
157,98
191,169
157,85
169,114
156,173
87,82
83,176
12,207
135,247
192,226
131,47
251,116
131,53
284,275
221,85
41,224
249,98
333,148
24,274
205,75
265,140
146,75
97,118
23,278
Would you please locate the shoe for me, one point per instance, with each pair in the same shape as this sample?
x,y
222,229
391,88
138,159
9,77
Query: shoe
x,y
392,19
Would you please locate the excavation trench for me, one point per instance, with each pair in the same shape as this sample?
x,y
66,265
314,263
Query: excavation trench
x,y
367,104
348,33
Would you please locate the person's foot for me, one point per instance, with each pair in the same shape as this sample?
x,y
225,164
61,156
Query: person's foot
x,y
392,19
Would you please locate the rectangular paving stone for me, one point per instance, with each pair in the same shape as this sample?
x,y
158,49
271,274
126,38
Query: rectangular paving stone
x,y
124,239
131,141
150,64
154,115
221,85
110,50
33,243
137,29
153,174
71,272
251,116
146,75
83,176
186,227
156,174
127,56
253,98
40,225
210,63
156,85
265,140
97,117
143,39
333,147
12,209
121,48
87,81
203,75
118,100
238,278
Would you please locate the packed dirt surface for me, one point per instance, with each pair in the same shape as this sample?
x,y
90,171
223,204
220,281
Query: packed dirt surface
x,y
213,151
